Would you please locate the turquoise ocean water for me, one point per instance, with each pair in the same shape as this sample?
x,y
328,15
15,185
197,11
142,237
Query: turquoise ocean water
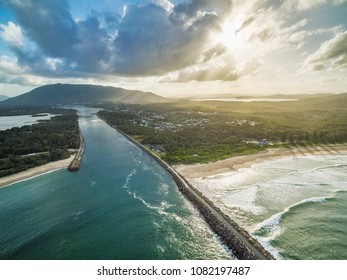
x,y
295,206
120,205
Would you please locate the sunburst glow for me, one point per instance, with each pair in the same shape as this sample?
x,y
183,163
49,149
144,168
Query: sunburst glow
x,y
229,36
224,46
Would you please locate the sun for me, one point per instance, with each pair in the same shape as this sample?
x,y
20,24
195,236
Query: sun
x,y
229,36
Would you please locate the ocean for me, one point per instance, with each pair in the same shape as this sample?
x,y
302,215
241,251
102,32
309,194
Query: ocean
x,y
120,205
295,206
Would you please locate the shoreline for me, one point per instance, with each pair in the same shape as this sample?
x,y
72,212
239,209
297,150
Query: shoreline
x,y
222,182
72,163
236,238
34,172
233,164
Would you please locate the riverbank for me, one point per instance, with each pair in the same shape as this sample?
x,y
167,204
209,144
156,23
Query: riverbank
x,y
36,171
237,239
236,163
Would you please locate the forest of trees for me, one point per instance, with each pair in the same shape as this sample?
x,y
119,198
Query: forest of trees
x,y
192,132
25,147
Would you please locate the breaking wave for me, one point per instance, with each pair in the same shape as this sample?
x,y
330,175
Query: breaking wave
x,y
270,228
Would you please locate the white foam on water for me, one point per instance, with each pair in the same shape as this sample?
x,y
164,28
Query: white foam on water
x,y
136,158
271,225
257,197
161,210
128,178
77,214
146,167
125,140
244,199
164,190
164,205
245,176
92,183
198,232
277,184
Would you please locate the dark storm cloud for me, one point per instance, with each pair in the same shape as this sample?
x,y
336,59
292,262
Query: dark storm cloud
x,y
48,23
154,41
146,40
149,42
93,47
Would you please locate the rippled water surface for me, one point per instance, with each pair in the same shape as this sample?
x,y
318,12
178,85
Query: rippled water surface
x,y
295,206
120,205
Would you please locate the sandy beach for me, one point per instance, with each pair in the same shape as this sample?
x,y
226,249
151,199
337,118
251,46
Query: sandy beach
x,y
258,191
36,171
235,163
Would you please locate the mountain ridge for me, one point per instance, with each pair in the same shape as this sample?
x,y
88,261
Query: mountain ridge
x,y
69,94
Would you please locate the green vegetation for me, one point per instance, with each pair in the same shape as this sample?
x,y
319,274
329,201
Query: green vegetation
x,y
196,132
29,146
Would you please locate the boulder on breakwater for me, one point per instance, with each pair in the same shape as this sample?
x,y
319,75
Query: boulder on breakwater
x,y
76,162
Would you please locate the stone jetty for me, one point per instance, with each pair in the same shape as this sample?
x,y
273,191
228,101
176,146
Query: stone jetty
x,y
76,162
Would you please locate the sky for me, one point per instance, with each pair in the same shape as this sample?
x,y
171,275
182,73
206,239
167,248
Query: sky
x,y
176,48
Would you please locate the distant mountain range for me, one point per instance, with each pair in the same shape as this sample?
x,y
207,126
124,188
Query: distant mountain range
x,y
3,97
67,94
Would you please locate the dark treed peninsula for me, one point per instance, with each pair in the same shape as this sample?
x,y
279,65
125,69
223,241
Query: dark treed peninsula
x,y
29,146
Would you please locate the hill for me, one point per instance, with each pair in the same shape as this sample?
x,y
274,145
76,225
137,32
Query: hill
x,y
67,94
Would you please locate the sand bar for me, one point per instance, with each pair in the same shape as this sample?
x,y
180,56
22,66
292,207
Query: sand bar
x,y
235,163
32,172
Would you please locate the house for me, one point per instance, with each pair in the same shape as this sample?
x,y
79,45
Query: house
x,y
158,148
263,142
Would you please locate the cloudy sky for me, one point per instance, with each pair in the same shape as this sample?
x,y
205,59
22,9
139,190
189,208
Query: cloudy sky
x,y
176,47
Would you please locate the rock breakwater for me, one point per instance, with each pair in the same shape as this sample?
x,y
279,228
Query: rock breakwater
x,y
76,162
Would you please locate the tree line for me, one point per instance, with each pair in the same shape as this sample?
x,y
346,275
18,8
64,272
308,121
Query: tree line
x,y
25,147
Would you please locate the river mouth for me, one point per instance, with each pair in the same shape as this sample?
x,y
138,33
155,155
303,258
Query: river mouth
x,y
120,205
